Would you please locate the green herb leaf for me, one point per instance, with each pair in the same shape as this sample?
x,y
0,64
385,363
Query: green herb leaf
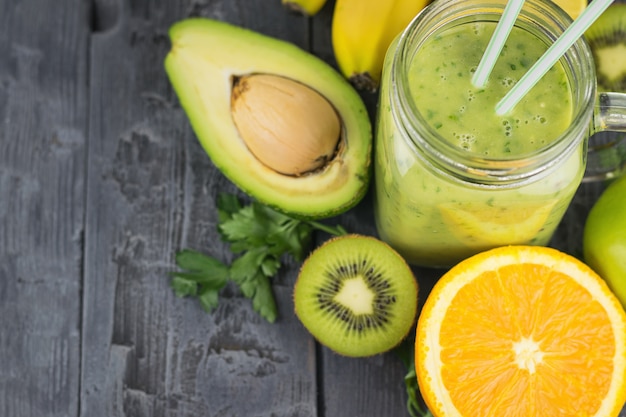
x,y
242,226
405,351
263,299
201,269
184,287
331,230
227,204
293,237
261,236
209,299
247,272
203,277
194,261
246,265
270,266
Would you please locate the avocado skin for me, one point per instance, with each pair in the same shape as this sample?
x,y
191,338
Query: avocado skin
x,y
206,55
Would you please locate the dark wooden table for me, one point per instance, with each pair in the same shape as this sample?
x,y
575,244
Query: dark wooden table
x,y
101,182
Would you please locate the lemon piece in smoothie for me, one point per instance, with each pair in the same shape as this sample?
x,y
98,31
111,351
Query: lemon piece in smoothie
x,y
496,224
573,7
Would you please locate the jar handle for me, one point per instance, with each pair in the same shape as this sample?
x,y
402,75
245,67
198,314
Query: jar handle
x,y
606,159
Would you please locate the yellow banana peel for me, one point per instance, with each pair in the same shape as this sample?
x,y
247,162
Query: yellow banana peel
x,y
305,7
362,30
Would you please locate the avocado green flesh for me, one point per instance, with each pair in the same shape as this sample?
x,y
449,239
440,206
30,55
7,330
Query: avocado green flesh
x,y
205,57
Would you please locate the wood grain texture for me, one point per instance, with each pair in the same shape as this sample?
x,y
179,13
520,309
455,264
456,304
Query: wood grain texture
x,y
42,159
151,192
101,181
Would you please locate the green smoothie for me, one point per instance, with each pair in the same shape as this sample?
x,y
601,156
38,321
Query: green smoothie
x,y
440,82
436,220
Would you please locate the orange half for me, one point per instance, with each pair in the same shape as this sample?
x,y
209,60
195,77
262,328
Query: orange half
x,y
522,331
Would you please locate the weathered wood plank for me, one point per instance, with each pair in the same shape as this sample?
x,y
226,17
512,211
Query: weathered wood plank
x,y
42,157
369,387
152,191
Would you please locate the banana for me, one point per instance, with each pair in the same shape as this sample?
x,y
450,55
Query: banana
x,y
362,30
305,7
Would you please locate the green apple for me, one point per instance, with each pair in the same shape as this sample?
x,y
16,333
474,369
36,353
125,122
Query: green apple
x,y
604,237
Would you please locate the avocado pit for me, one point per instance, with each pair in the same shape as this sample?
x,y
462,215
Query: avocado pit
x,y
208,57
286,125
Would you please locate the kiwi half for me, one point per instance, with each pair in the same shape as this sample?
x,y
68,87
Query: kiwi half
x,y
356,295
607,39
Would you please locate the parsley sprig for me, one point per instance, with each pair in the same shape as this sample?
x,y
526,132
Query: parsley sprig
x,y
406,354
260,236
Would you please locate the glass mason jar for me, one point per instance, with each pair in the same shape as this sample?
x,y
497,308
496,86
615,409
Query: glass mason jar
x,y
438,203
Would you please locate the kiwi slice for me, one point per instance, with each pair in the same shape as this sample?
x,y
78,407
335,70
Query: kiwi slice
x,y
356,295
607,39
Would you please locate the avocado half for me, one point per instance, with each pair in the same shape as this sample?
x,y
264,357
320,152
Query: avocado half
x,y
206,58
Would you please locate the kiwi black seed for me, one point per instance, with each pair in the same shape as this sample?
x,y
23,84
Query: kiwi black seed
x,y
607,39
356,295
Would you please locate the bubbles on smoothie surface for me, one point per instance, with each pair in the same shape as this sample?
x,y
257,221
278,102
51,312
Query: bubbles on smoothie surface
x,y
466,140
440,81
506,124
507,82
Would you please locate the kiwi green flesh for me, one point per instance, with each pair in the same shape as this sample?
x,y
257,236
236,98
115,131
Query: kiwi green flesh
x,y
607,39
356,296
